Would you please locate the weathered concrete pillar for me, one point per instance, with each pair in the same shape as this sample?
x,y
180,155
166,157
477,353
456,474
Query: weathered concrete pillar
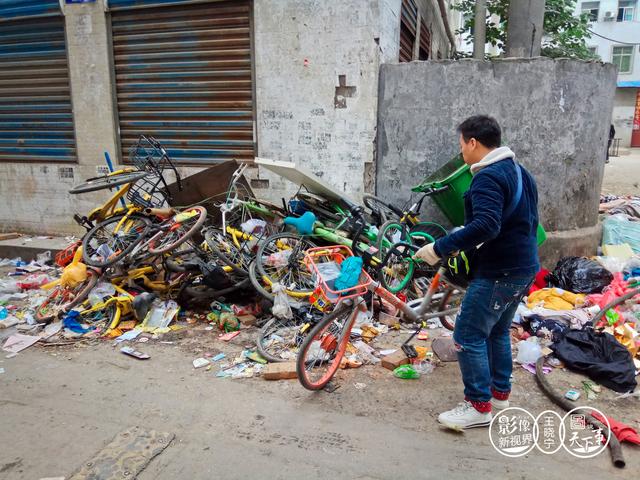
x,y
89,51
558,130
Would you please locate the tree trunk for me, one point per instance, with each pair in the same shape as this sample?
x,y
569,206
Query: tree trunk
x,y
479,29
524,28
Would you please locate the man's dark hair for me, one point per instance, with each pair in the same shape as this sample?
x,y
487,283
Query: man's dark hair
x,y
483,128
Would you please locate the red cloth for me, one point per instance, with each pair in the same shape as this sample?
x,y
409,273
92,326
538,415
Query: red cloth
x,y
623,432
540,281
499,395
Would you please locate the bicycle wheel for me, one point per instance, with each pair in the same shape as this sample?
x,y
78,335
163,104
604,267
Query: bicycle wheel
x,y
109,181
177,230
279,340
397,269
61,299
390,233
423,233
256,281
448,298
227,252
112,240
323,349
280,259
382,211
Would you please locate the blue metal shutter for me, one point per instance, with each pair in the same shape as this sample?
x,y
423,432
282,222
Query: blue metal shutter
x,y
183,75
36,122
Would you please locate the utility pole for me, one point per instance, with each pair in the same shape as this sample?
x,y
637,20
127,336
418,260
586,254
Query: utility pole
x,y
479,29
524,28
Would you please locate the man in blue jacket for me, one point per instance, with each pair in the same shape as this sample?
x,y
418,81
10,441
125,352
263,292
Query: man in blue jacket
x,y
501,218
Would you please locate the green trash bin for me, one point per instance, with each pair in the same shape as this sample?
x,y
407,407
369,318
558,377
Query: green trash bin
x,y
456,176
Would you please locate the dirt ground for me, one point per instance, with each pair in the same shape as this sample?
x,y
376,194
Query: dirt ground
x,y
61,405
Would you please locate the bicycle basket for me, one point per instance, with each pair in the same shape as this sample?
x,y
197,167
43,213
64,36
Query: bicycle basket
x,y
318,259
148,192
147,154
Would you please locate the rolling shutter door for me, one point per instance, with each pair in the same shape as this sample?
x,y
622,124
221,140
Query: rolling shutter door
x,y
36,122
183,75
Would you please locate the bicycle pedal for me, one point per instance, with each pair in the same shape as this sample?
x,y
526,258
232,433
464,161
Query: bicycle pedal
x,y
410,351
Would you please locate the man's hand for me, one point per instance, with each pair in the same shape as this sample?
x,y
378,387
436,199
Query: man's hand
x,y
428,254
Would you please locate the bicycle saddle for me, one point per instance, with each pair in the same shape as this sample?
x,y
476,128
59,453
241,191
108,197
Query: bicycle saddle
x,y
303,224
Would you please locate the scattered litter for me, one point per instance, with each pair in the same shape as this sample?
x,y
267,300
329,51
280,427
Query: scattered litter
x,y
132,352
572,395
531,368
360,386
200,362
18,342
130,335
218,357
406,372
225,337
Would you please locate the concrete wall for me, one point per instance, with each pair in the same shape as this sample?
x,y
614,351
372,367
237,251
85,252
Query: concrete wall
x,y
555,115
624,107
304,114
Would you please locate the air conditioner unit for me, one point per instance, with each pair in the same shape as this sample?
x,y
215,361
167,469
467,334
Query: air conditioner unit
x,y
608,17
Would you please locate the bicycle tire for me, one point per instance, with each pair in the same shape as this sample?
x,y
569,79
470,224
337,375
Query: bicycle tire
x,y
183,238
343,311
406,276
432,229
255,281
443,305
83,293
213,242
88,250
382,235
377,205
107,182
293,265
272,326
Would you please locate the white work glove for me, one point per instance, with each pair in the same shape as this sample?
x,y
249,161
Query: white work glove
x,y
428,254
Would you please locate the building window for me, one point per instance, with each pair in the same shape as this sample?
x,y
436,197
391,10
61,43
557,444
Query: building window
x,y
622,57
593,51
625,10
408,29
591,9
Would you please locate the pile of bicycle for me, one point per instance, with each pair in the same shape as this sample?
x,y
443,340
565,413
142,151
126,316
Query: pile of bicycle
x,y
316,261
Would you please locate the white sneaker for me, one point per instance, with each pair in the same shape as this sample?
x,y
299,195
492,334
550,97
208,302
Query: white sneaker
x,y
499,404
464,416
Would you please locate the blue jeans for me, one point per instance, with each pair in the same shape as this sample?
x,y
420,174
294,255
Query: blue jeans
x,y
482,335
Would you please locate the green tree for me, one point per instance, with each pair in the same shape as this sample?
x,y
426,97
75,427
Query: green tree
x,y
564,35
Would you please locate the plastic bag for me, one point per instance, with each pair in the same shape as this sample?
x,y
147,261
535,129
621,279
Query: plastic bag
x,y
613,264
9,286
44,258
279,259
580,275
631,268
253,225
75,273
528,352
34,281
281,307
100,292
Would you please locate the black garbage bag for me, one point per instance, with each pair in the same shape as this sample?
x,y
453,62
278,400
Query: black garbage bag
x,y
580,275
599,356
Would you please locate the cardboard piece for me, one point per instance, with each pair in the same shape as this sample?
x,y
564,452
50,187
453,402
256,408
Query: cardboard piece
x,y
18,342
394,360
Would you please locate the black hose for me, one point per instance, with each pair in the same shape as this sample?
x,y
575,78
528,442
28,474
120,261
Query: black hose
x,y
614,444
